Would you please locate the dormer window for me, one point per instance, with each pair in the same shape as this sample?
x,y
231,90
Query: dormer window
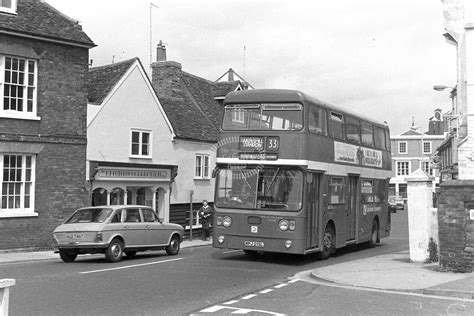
x,y
8,6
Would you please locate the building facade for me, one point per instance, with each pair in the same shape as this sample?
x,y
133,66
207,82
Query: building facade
x,y
43,65
130,154
413,150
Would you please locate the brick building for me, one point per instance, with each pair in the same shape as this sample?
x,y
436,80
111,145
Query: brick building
x,y
43,65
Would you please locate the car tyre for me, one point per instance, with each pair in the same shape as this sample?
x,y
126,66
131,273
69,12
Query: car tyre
x,y
114,252
374,235
173,248
329,240
67,256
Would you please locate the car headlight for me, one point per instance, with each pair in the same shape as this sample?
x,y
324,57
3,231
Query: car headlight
x,y
283,225
221,239
226,221
219,220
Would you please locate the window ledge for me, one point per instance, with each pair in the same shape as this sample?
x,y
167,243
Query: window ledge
x,y
202,179
10,214
20,117
141,157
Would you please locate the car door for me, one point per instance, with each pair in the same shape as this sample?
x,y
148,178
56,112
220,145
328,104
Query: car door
x,y
134,228
156,234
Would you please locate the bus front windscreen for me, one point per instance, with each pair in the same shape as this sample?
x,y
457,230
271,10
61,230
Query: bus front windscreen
x,y
267,116
260,188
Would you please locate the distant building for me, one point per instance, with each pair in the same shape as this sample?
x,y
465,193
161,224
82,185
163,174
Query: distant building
x,y
412,150
43,65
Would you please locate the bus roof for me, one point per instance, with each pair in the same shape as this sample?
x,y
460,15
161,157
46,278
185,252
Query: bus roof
x,y
283,95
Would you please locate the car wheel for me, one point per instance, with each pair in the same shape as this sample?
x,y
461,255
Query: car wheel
x,y
329,240
67,256
374,235
130,254
173,248
114,252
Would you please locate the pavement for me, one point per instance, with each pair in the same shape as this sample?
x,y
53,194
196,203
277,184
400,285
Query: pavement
x,y
393,272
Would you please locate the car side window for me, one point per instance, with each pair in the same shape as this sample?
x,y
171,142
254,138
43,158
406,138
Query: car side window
x,y
117,217
133,216
149,215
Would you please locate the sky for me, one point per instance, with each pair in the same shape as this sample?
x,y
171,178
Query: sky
x,y
380,58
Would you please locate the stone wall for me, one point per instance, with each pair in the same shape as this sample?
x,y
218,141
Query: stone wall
x,y
456,229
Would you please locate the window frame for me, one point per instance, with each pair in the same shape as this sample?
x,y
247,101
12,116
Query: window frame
x,y
398,168
371,126
332,123
313,129
406,147
21,211
140,143
203,175
349,121
430,145
342,195
24,114
11,10
426,167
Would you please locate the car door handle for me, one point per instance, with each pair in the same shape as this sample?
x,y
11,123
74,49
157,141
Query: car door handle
x,y
147,226
126,226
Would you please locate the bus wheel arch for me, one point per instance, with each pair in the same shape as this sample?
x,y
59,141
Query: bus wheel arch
x,y
374,233
328,247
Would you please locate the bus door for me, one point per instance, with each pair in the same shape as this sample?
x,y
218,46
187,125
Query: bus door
x,y
312,211
351,210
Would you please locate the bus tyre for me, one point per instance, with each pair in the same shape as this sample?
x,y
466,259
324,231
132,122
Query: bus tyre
x,y
114,252
329,240
374,235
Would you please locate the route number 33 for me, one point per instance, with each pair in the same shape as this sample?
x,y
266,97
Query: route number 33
x,y
273,143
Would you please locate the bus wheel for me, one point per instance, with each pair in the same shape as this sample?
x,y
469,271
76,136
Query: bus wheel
x,y
374,236
329,247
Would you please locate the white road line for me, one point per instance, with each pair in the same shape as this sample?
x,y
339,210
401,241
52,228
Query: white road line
x,y
249,296
279,286
130,266
231,302
293,281
266,291
230,251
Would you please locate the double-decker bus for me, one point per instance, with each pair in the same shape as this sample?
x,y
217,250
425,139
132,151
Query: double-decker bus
x,y
298,175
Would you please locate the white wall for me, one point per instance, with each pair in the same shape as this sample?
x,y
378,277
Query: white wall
x,y
131,106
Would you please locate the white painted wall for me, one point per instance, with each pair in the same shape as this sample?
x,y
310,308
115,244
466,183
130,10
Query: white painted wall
x,y
185,152
131,106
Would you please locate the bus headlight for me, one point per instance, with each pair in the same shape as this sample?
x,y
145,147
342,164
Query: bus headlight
x,y
226,221
220,239
288,244
283,225
219,221
292,225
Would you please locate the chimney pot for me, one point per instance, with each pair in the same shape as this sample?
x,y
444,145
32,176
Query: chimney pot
x,y
161,51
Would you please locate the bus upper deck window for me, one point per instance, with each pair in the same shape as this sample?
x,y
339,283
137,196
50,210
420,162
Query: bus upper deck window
x,y
317,121
353,130
336,125
367,134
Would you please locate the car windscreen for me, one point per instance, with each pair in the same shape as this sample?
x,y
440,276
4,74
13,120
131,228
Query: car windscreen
x,y
265,116
90,215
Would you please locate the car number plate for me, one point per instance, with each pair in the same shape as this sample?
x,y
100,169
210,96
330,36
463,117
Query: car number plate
x,y
257,244
75,236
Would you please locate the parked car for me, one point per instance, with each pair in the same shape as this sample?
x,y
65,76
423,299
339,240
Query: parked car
x,y
400,203
116,230
392,205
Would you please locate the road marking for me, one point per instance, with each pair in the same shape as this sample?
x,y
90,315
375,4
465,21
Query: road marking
x,y
231,302
307,278
130,266
249,296
237,310
279,286
293,281
266,291
231,251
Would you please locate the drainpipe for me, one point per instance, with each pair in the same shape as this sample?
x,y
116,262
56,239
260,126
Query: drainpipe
x,y
191,192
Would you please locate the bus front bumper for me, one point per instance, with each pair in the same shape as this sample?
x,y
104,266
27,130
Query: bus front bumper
x,y
282,245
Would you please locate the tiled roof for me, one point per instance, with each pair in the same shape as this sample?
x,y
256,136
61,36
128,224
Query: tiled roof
x,y
195,114
101,80
36,18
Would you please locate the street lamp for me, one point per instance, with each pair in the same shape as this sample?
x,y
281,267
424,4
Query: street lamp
x,y
440,87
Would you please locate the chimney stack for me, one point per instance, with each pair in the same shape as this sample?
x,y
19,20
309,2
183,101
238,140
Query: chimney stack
x,y
161,51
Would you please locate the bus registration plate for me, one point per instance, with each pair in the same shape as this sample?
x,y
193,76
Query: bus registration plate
x,y
257,244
